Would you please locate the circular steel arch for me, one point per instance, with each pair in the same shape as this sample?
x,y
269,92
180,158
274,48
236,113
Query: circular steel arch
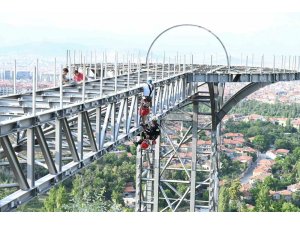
x,y
189,25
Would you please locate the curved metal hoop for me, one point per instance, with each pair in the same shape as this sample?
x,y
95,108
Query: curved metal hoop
x,y
190,25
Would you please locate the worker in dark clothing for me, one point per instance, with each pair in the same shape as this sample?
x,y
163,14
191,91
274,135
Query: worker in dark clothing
x,y
150,133
144,110
64,79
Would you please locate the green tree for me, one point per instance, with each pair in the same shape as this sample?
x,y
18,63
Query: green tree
x,y
56,199
223,200
282,143
61,198
234,190
261,143
50,201
289,207
234,194
263,201
272,183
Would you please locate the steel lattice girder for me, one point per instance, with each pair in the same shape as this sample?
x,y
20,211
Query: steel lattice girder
x,y
169,91
69,169
159,168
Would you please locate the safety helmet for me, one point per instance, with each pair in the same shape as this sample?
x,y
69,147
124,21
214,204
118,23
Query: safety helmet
x,y
144,144
144,111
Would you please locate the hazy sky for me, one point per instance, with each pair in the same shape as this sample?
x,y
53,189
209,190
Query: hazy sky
x,y
250,26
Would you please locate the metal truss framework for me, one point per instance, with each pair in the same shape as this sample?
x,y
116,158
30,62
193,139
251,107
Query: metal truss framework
x,y
84,131
177,174
157,190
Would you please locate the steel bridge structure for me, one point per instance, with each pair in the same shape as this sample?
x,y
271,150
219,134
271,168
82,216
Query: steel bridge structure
x,y
63,129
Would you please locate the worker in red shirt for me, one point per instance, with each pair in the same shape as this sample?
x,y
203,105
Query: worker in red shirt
x,y
78,76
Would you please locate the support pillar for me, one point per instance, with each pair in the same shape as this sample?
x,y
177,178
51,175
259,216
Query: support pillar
x,y
194,155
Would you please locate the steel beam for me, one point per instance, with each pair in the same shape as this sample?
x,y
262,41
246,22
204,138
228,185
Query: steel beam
x,y
156,175
98,126
45,150
89,131
236,98
58,144
14,163
70,140
30,158
194,156
138,185
80,135
105,125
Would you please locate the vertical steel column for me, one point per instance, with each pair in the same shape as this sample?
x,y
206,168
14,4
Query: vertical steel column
x,y
157,100
153,100
128,75
149,183
183,83
105,67
95,75
160,97
74,58
30,157
155,71
34,91
174,68
156,175
83,83
135,112
131,115
90,69
15,76
70,63
113,122
163,67
101,78
37,75
126,129
58,144
98,128
138,180
212,175
80,135
14,163
55,72
61,90
139,71
194,156
169,68
119,118
116,74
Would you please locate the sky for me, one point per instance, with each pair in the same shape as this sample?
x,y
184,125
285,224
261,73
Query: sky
x,y
245,27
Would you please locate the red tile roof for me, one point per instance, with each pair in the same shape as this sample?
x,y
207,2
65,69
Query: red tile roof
x,y
282,151
233,135
202,142
129,188
243,158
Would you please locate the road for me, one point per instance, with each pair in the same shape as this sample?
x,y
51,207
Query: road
x,y
245,179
